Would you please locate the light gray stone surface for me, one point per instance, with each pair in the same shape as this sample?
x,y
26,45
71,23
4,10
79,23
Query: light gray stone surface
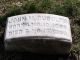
x,y
39,33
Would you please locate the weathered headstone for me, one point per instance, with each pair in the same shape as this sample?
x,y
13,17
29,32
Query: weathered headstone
x,y
38,33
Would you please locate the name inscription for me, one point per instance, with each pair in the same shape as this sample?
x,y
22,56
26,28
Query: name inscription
x,y
38,25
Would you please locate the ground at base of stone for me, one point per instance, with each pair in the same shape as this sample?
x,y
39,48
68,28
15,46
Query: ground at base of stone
x,y
31,56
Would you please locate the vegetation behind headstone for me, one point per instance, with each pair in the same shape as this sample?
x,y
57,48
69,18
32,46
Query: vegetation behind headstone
x,y
68,8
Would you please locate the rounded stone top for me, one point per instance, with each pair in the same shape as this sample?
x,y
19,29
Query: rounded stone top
x,y
38,25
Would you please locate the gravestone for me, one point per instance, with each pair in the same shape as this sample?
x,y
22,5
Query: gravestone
x,y
38,33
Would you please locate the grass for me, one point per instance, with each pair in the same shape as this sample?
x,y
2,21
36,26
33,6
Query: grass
x,y
68,8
